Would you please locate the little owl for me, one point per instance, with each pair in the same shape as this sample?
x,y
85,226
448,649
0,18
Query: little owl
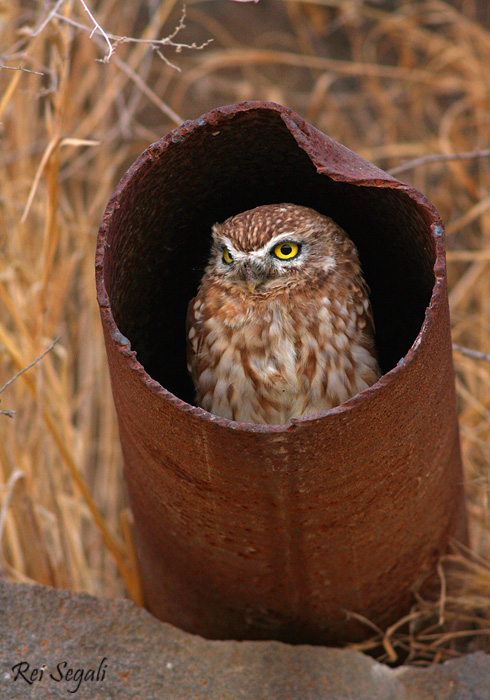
x,y
281,326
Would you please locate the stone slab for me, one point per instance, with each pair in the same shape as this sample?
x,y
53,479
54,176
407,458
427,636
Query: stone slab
x,y
125,653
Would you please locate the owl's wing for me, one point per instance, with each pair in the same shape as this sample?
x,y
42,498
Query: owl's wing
x,y
360,295
194,339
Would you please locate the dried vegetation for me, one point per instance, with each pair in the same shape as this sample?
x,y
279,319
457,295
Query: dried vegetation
x,y
395,81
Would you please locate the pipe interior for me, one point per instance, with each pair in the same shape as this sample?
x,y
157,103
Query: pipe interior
x,y
159,236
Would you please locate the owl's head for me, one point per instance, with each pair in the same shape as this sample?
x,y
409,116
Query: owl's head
x,y
275,245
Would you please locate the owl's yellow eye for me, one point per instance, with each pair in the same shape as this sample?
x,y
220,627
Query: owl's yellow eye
x,y
286,250
227,257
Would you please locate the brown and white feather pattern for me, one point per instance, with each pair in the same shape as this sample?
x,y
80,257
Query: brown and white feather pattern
x,y
270,339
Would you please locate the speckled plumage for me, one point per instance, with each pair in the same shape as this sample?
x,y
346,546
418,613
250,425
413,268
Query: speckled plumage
x,y
271,339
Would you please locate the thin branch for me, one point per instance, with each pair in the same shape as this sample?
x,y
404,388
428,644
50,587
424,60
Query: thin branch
x,y
24,70
113,39
147,91
474,354
98,28
180,25
30,365
438,158
48,19
166,60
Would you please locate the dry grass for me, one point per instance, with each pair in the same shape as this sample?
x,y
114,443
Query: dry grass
x,y
393,85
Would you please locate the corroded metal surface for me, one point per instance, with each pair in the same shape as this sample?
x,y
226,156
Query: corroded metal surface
x,y
254,532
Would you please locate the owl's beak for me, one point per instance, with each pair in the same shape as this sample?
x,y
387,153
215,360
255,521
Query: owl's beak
x,y
253,277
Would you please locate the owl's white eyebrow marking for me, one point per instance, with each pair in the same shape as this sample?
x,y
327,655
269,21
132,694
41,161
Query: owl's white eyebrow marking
x,y
287,236
240,256
275,240
225,242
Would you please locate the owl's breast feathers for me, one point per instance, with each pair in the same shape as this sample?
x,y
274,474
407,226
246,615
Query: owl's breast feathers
x,y
265,358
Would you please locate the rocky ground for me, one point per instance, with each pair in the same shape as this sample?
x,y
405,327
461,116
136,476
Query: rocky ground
x,y
55,644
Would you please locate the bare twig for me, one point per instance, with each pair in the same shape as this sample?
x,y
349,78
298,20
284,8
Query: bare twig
x,y
25,70
98,28
48,19
438,158
112,40
180,25
166,60
469,352
163,106
10,381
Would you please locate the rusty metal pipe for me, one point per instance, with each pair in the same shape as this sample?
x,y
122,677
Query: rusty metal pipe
x,y
253,532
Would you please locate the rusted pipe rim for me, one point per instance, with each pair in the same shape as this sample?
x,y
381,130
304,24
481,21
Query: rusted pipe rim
x,y
362,174
273,531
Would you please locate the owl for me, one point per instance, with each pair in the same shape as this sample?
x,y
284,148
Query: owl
x,y
281,326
